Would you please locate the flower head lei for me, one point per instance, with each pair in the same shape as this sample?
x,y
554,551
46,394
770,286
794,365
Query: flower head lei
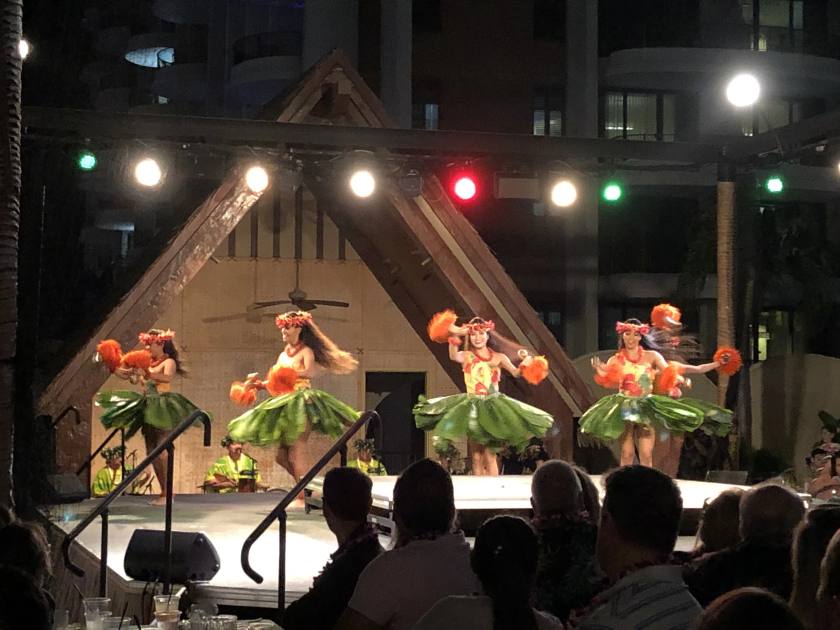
x,y
623,327
478,325
292,320
148,338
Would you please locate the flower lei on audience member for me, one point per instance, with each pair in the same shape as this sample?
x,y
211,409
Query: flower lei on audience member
x,y
553,520
364,534
293,320
578,614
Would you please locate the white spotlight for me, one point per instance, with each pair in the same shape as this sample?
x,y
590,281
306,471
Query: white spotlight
x,y
362,183
743,90
256,178
24,48
147,173
563,193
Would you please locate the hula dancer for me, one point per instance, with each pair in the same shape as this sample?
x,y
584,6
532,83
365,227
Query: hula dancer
x,y
294,408
649,388
487,418
156,410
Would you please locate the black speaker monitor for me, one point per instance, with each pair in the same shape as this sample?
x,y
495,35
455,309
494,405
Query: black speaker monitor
x,y
194,559
65,488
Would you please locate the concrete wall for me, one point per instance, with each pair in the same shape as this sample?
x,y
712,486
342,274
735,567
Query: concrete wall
x,y
787,394
218,352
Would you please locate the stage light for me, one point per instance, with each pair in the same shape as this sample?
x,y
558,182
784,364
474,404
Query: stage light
x,y
743,90
464,188
148,173
563,193
612,192
86,161
24,48
256,178
774,184
362,183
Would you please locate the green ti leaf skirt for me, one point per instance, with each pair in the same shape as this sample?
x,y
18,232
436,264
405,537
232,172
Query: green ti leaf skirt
x,y
131,409
494,420
607,418
282,419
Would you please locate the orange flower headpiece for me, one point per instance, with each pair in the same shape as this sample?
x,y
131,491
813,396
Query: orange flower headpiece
x,y
623,327
293,320
480,325
148,339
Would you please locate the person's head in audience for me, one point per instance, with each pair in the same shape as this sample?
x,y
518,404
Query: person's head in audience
x,y
749,608
347,501
770,513
504,558
424,502
23,603
828,593
810,541
590,497
640,519
6,516
719,525
24,546
556,490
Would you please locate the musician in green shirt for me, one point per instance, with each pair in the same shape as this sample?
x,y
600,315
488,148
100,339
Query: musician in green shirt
x,y
225,474
111,476
365,460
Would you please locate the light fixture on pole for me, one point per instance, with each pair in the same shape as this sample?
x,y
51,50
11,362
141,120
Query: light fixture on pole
x,y
743,90
256,178
563,193
362,183
24,48
148,173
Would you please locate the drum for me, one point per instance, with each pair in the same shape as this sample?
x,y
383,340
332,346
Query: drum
x,y
247,481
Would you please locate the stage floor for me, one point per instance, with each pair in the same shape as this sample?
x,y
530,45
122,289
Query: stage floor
x,y
227,519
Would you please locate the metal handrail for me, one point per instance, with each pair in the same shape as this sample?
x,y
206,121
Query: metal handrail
x,y
102,508
70,409
279,512
89,461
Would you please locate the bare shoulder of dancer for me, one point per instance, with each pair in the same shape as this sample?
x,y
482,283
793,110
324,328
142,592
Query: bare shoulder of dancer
x,y
655,359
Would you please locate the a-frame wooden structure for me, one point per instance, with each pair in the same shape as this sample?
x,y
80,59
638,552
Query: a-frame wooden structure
x,y
425,254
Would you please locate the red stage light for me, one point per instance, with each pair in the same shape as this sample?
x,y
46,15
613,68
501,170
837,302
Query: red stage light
x,y
465,188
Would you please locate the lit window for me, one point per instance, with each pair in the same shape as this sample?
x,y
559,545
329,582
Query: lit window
x,y
635,116
425,116
548,111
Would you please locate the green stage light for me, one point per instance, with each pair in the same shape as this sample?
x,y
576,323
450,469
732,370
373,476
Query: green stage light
x,y
774,185
612,192
87,161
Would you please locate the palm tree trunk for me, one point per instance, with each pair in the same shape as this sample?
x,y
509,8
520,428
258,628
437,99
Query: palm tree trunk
x,y
726,278
11,22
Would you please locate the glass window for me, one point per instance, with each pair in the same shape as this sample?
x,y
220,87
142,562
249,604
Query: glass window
x,y
425,116
637,116
780,24
548,112
774,113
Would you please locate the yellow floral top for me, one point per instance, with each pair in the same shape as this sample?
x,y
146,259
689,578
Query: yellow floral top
x,y
481,378
637,378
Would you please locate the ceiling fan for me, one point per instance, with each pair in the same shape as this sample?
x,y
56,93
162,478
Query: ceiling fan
x,y
297,298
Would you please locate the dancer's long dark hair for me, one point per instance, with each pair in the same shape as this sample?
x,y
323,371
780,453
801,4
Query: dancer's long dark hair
x,y
670,343
171,351
327,354
505,560
498,343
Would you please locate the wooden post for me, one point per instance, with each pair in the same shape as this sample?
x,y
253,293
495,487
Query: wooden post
x,y
726,275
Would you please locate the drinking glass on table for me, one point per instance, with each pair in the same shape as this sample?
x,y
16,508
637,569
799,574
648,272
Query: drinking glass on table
x,y
222,622
96,609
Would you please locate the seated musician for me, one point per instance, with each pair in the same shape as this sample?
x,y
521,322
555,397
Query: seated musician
x,y
111,476
234,472
365,460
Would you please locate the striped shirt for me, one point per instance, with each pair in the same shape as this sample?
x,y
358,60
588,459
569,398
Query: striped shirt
x,y
653,598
